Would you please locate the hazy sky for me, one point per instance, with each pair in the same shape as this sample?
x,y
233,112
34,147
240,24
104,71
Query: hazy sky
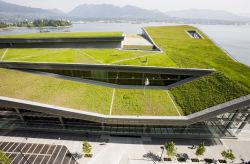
x,y
235,6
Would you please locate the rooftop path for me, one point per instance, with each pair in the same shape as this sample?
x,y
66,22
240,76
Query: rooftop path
x,y
136,42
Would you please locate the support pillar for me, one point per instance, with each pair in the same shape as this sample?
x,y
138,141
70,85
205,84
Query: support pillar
x,y
102,127
185,129
19,114
143,79
232,119
72,73
243,124
144,129
117,78
61,120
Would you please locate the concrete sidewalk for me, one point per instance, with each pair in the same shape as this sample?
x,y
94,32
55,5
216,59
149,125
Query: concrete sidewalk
x,y
128,150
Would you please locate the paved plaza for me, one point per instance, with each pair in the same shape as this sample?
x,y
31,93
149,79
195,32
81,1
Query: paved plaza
x,y
32,153
39,147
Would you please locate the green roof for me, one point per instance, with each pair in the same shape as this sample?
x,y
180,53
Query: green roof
x,y
64,35
89,56
83,96
231,81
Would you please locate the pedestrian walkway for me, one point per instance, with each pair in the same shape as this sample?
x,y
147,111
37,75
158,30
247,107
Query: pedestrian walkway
x,y
136,42
32,153
115,150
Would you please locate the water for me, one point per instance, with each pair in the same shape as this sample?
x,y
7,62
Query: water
x,y
128,28
234,39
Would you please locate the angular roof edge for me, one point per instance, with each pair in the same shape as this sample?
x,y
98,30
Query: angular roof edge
x,y
239,103
108,67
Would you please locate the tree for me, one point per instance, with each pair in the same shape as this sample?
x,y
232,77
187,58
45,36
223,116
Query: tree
x,y
4,159
86,147
171,149
53,23
228,154
200,150
3,25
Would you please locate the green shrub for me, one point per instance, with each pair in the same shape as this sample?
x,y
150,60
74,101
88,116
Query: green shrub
x,y
3,25
228,154
86,147
4,159
200,150
171,149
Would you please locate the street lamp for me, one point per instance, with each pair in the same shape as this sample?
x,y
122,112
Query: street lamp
x,y
162,148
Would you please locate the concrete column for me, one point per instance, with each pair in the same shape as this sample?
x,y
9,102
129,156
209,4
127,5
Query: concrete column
x,y
243,124
117,77
232,119
185,129
61,120
19,114
143,79
72,73
144,129
102,127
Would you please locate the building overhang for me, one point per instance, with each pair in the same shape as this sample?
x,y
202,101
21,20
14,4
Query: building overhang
x,y
114,76
106,67
69,42
206,114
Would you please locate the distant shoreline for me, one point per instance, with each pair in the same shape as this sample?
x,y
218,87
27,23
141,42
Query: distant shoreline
x,y
51,27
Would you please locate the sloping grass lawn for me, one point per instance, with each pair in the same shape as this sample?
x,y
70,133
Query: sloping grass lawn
x,y
113,56
206,92
158,60
49,90
134,102
48,55
64,35
82,96
89,56
2,52
233,80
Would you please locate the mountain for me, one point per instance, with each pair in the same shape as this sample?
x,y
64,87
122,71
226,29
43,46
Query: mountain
x,y
12,13
10,8
245,15
57,11
206,14
18,12
107,11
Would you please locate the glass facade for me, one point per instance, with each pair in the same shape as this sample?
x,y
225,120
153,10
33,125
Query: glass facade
x,y
122,78
224,125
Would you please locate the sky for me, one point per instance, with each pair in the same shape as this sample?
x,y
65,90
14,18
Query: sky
x,y
234,6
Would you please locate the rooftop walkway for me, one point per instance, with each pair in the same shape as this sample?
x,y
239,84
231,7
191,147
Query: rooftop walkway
x,y
136,42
